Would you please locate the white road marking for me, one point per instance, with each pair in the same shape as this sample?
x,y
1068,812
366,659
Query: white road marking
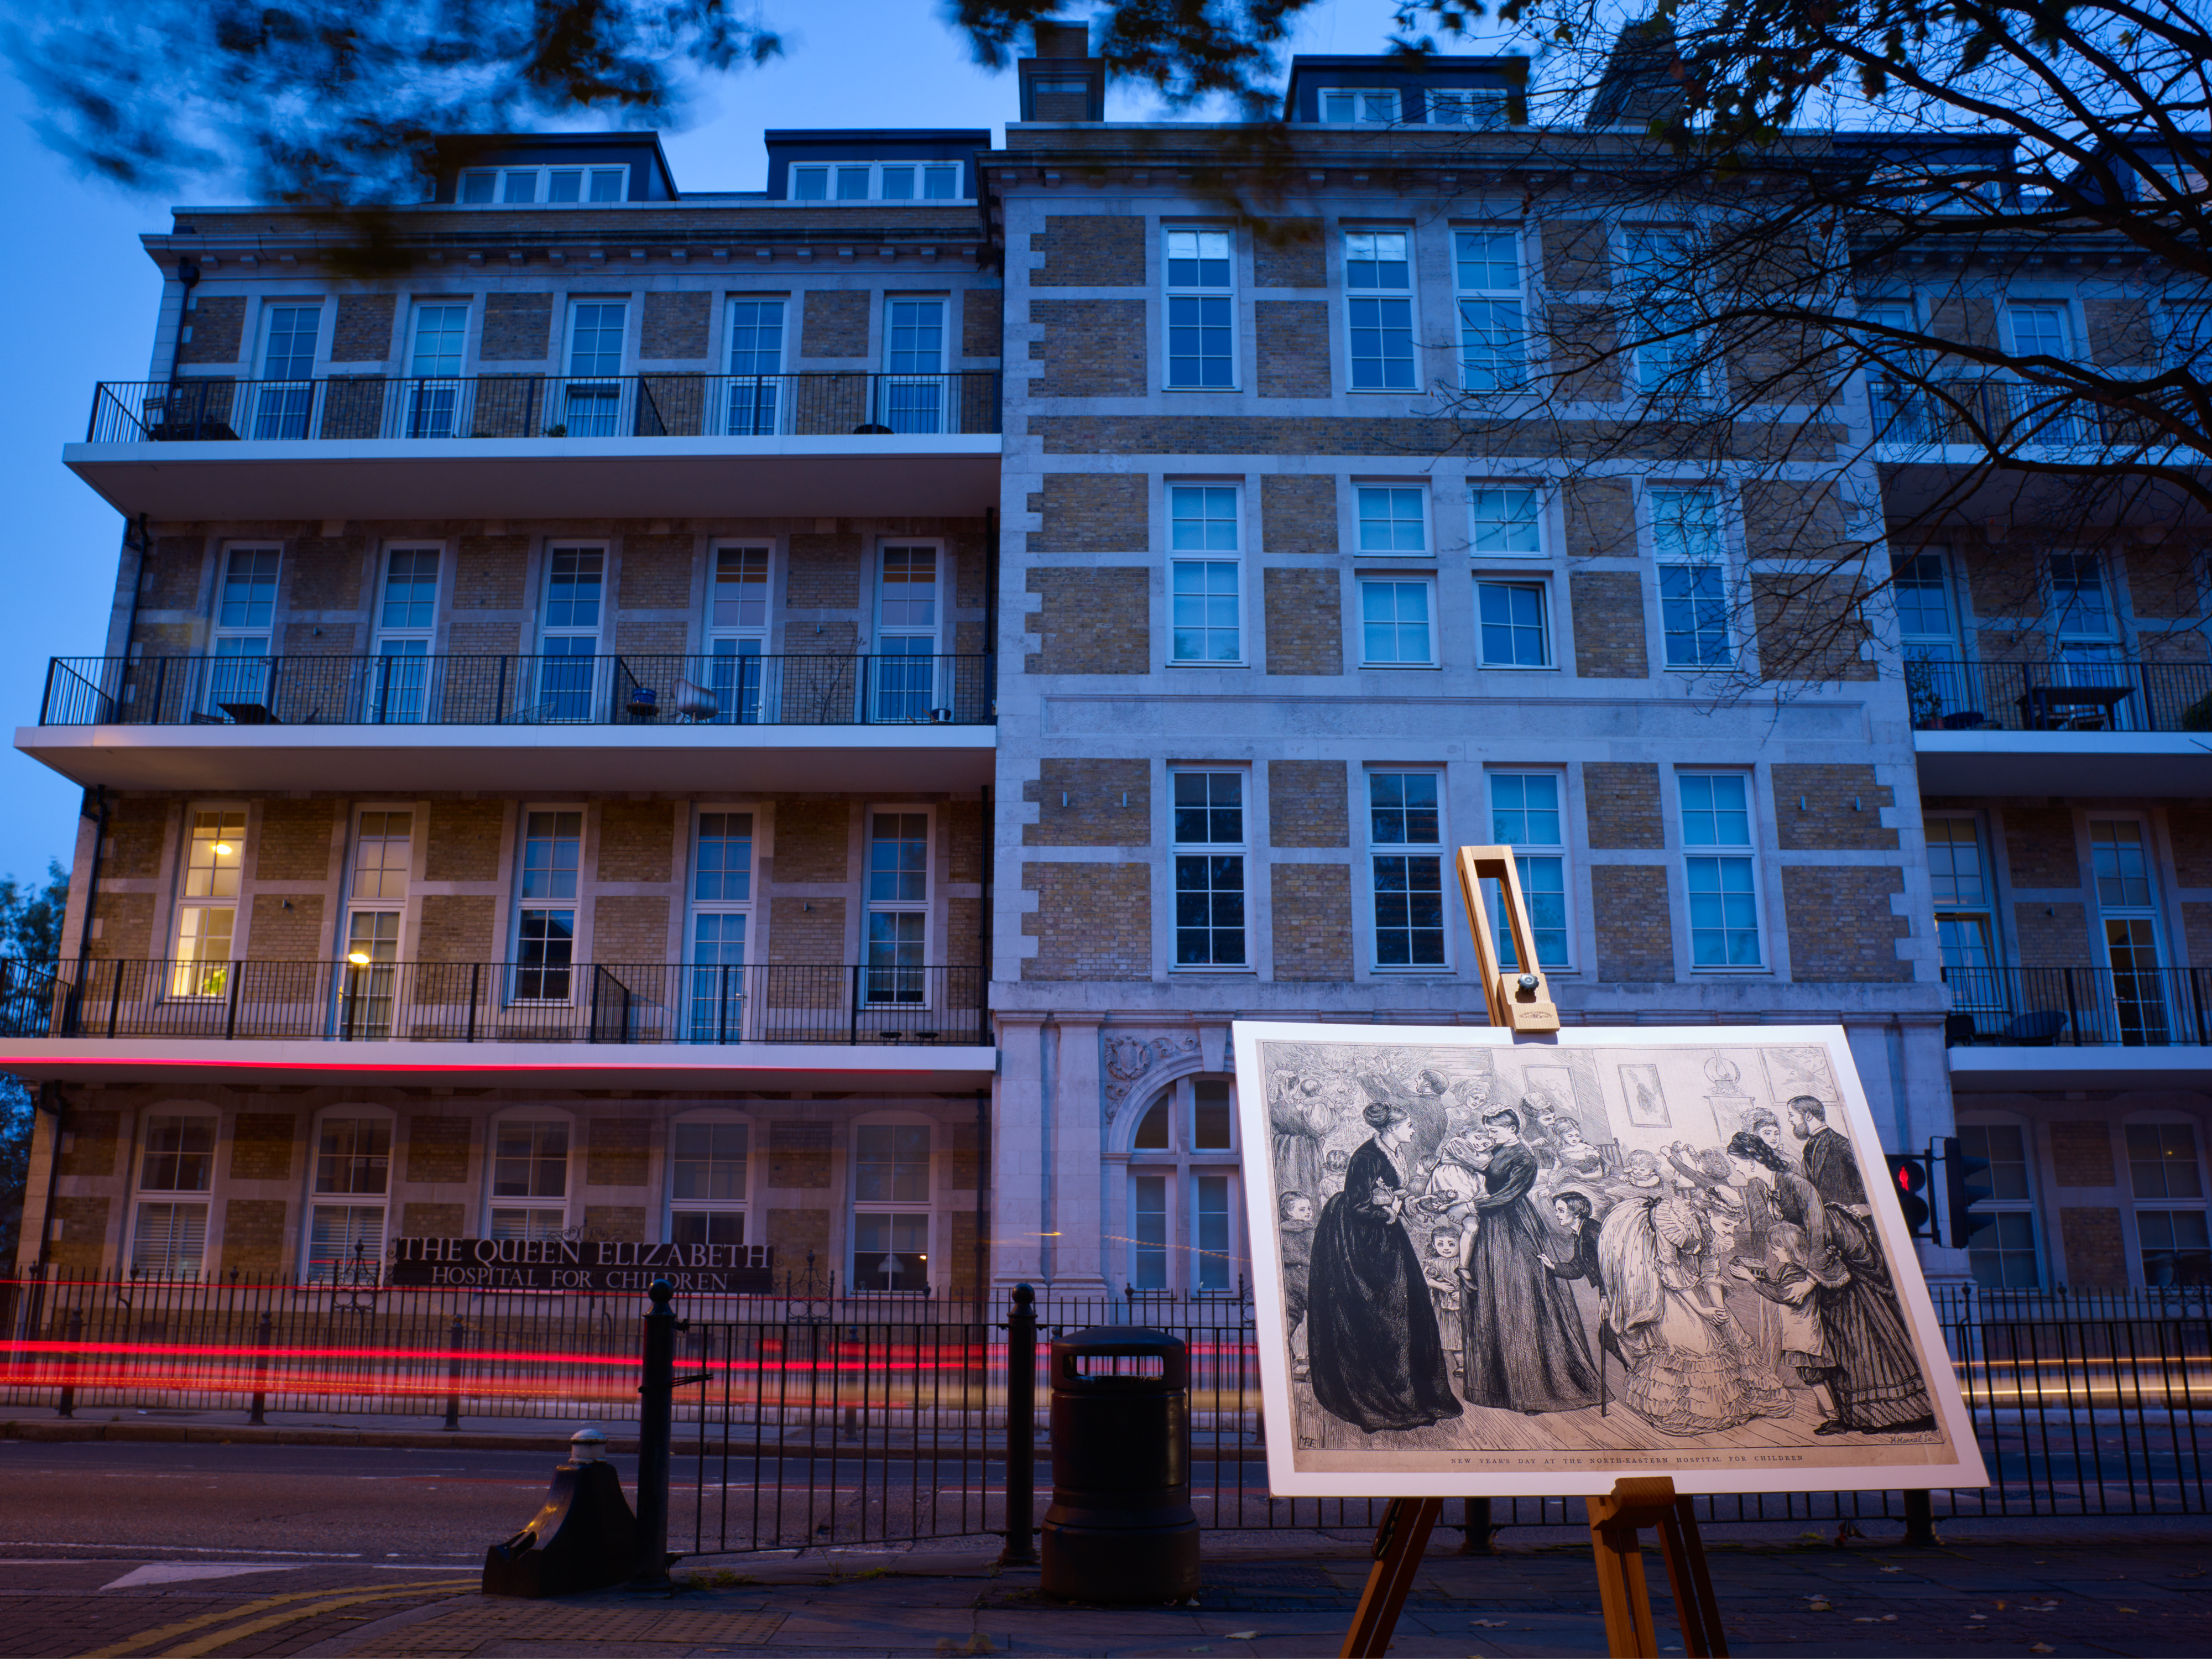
x,y
178,1573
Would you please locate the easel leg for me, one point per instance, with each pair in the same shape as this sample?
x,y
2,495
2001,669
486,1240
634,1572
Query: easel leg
x,y
1684,1552
1616,1518
1398,1543
1621,1592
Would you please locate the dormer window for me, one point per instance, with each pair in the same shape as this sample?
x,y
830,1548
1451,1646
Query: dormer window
x,y
877,181
532,187
1484,108
1355,105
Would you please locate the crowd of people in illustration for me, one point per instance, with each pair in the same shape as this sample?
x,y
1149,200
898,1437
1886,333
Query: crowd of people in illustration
x,y
1432,1236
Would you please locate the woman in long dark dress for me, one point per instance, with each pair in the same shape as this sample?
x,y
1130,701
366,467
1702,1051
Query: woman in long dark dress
x,y
1375,1357
1876,1380
1523,1338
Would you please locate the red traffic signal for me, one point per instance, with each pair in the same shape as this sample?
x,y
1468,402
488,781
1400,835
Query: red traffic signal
x,y
1909,1173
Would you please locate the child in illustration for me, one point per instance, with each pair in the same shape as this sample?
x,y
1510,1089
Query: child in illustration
x,y
1578,1219
1334,1164
1456,1181
1775,1195
1441,1267
1523,1338
1578,1157
1785,1276
1374,1350
1639,1177
1294,1226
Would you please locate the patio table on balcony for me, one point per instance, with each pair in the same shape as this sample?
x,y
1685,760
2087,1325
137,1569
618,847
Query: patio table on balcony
x,y
2039,705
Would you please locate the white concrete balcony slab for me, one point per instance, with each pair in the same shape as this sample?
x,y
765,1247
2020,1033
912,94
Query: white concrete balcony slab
x,y
2087,723
875,1068
1999,1070
509,722
538,446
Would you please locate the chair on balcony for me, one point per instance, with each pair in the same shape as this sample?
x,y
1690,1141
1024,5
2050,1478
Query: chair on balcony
x,y
2036,1029
696,703
1958,1031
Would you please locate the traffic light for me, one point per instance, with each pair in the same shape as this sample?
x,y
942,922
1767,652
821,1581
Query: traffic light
x,y
1966,1185
1908,1173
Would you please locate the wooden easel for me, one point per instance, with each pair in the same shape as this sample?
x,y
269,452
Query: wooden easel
x,y
1617,1519
1520,1002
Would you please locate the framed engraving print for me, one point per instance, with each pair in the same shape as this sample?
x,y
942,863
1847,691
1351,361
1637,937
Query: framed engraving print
x,y
1485,1266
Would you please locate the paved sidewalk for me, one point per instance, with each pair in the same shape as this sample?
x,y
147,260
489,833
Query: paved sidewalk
x,y
2093,1588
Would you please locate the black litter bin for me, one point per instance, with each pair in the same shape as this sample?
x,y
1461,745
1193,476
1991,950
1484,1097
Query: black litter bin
x,y
1120,1527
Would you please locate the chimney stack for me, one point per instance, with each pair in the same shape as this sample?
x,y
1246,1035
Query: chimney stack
x,y
1063,81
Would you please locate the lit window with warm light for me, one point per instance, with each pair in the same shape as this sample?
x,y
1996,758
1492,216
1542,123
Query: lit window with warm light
x,y
207,902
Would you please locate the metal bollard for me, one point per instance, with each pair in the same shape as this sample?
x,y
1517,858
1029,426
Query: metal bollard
x,y
656,1395
582,1537
1021,1430
260,1374
67,1404
1919,1517
1479,1532
458,1335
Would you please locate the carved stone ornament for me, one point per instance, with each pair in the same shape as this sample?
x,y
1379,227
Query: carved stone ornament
x,y
1131,1060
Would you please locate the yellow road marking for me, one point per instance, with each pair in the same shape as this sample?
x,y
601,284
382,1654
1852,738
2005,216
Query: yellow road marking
x,y
147,1639
222,1638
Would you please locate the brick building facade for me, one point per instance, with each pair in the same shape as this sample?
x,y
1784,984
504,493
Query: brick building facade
x,y
826,703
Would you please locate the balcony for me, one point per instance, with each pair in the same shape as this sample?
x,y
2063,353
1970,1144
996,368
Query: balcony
x,y
1932,440
539,446
2010,1027
547,1017
1920,419
644,722
2077,726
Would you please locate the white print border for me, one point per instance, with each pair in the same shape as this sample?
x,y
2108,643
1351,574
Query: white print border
x,y
1948,1457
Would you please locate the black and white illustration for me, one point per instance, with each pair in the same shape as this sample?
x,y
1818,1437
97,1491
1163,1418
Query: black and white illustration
x,y
1603,1252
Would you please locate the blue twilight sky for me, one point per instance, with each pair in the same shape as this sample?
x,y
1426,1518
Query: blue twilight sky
x,y
83,295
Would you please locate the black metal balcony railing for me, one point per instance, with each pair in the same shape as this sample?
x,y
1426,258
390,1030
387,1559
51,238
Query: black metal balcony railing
x,y
2077,694
542,1000
2080,1007
358,407
2005,414
624,691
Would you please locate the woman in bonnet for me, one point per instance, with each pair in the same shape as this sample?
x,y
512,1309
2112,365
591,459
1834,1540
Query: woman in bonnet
x,y
1376,1356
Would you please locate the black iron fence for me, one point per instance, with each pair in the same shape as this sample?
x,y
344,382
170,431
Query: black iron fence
x,y
369,407
847,1419
2085,693
2085,1007
716,690
542,1000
